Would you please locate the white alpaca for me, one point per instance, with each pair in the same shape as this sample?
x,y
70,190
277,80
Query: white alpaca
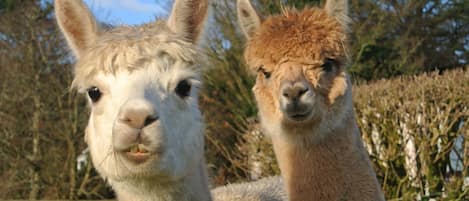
x,y
267,189
145,131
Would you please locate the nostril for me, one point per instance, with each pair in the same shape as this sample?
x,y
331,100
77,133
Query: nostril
x,y
149,120
303,91
126,120
137,113
294,93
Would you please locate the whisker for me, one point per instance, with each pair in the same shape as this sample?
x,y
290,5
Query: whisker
x,y
118,163
109,153
119,160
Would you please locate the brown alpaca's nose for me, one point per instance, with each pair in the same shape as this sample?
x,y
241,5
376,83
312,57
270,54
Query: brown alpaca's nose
x,y
293,92
137,114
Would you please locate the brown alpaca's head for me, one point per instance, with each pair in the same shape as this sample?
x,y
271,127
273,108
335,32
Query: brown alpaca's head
x,y
299,58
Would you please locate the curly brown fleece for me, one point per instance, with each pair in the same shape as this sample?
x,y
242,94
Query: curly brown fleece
x,y
307,35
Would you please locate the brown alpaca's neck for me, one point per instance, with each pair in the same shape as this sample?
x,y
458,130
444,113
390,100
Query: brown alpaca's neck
x,y
193,187
336,168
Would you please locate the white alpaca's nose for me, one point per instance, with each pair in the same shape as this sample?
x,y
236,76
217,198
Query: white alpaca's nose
x,y
135,133
137,113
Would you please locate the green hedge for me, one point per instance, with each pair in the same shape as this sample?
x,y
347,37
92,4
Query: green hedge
x,y
410,126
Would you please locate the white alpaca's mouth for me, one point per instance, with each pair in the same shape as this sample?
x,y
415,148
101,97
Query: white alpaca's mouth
x,y
137,153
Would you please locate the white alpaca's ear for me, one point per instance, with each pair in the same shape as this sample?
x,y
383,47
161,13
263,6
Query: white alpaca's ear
x,y
187,18
248,18
77,24
339,10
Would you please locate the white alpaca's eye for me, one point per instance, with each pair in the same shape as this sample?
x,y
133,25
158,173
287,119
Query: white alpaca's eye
x,y
183,89
94,93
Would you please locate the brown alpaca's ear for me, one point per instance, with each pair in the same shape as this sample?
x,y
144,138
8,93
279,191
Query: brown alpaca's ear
x,y
77,24
248,18
187,18
339,10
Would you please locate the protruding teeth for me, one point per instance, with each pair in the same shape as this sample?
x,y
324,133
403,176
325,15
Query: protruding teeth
x,y
137,148
142,149
134,149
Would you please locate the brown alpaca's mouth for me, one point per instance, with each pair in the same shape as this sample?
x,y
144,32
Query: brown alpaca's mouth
x,y
299,117
137,153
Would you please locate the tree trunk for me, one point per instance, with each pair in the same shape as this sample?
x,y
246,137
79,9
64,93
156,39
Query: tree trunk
x,y
34,169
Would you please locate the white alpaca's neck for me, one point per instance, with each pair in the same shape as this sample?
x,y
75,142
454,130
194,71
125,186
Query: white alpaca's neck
x,y
336,167
193,187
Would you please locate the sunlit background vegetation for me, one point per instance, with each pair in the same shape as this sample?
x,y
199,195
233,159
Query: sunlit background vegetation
x,y
411,94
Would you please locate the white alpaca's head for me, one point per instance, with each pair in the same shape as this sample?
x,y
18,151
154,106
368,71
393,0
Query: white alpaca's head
x,y
141,83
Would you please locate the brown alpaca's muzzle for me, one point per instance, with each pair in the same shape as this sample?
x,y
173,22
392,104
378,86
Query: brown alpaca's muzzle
x,y
296,96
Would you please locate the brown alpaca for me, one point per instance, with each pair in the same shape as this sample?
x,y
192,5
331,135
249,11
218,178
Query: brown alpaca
x,y
305,101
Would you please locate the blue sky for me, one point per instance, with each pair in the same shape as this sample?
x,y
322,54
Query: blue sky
x,y
128,11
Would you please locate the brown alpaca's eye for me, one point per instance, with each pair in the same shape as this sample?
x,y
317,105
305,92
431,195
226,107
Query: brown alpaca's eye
x,y
94,93
183,89
264,72
328,65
